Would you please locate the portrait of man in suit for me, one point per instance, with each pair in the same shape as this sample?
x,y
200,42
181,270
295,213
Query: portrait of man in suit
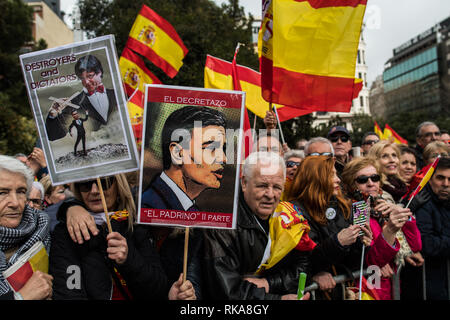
x,y
81,133
94,98
193,145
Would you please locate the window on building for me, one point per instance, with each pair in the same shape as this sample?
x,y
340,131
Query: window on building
x,y
359,57
361,101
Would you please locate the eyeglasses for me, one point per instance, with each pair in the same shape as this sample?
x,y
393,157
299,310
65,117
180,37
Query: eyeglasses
x,y
321,154
430,134
37,202
291,164
336,138
364,179
370,142
87,186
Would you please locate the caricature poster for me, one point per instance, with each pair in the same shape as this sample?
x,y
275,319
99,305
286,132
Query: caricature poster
x,y
191,155
79,106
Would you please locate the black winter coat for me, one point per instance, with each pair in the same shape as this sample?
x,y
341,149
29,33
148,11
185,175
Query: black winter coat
x,y
329,252
231,255
142,270
433,221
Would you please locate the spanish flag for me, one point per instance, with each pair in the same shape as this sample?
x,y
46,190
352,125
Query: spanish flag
x,y
288,230
308,52
156,39
429,172
390,134
34,259
218,75
378,131
134,72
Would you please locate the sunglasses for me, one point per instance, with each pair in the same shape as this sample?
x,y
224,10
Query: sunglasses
x,y
291,164
370,142
364,179
336,138
321,154
87,186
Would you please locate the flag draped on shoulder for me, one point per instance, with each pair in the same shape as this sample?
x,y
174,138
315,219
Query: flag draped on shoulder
x,y
308,52
390,134
156,39
218,75
425,175
288,231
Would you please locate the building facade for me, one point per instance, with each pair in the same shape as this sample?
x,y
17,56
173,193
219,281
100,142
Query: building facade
x,y
48,24
416,78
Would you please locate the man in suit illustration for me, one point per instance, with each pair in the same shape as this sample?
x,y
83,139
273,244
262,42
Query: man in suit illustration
x,y
193,146
81,133
94,98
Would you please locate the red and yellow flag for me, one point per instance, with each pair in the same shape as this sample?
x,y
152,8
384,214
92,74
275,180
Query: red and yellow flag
x,y
156,39
390,134
218,75
429,172
134,72
308,52
378,131
288,231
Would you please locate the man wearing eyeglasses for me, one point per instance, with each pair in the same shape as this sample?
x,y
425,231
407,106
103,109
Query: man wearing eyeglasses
x,y
368,140
340,139
98,101
426,132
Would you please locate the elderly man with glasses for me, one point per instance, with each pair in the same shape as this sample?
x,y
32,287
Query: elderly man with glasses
x,y
340,139
368,140
426,132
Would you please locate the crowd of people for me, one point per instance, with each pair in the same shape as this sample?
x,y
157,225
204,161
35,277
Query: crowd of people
x,y
319,181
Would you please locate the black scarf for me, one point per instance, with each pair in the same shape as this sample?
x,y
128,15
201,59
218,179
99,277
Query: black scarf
x,y
395,187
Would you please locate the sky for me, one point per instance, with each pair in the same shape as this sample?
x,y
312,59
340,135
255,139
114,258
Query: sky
x,y
389,24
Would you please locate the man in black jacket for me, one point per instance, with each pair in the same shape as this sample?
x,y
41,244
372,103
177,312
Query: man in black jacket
x,y
99,101
233,256
81,133
433,221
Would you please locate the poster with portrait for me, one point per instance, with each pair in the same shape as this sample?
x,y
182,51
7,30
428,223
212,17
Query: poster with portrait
x,y
191,154
80,109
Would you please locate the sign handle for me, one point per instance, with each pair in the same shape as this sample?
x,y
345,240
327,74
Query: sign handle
x,y
105,209
186,246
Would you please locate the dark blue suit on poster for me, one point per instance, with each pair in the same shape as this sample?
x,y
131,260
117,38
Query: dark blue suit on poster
x,y
160,196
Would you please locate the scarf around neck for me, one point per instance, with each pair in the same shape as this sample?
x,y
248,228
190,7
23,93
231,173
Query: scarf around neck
x,y
33,227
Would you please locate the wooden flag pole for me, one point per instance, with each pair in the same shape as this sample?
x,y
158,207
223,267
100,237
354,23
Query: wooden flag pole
x,y
105,208
186,246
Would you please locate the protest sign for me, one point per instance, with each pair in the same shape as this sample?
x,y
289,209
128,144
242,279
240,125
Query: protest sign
x,y
80,109
192,141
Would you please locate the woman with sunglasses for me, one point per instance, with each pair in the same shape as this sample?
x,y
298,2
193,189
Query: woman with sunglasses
x,y
119,265
362,178
388,156
316,192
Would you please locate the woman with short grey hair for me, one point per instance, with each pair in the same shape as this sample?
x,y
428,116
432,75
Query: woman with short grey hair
x,y
20,228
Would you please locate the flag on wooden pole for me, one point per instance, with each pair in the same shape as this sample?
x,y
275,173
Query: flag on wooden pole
x,y
308,53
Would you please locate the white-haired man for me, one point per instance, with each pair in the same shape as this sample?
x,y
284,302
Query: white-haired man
x,y
232,255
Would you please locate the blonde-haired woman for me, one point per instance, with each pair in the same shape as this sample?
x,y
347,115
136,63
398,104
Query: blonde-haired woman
x,y
362,178
388,156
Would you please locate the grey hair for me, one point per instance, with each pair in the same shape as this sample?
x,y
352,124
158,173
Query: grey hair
x,y
424,124
316,140
263,157
13,165
294,153
37,185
